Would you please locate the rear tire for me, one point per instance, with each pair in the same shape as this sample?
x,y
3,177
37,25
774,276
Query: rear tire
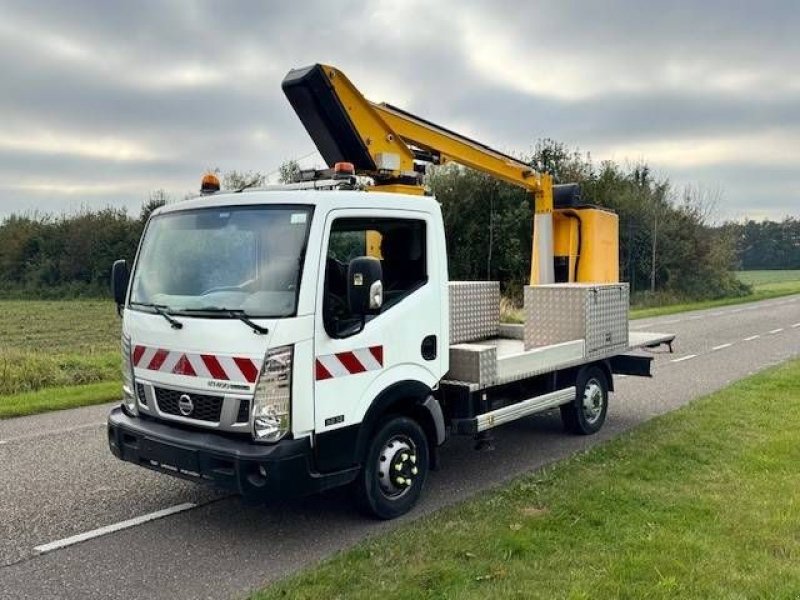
x,y
394,470
586,414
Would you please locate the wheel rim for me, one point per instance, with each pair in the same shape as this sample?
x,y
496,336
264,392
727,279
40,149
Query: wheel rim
x,y
397,466
592,401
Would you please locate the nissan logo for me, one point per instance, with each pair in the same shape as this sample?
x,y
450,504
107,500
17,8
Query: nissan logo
x,y
185,405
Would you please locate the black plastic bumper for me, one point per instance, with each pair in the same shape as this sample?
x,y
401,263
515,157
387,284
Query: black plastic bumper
x,y
281,470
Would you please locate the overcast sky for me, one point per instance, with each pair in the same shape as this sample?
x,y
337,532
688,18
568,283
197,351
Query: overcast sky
x,y
102,102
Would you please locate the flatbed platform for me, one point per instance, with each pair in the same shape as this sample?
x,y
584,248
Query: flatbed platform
x,y
503,359
648,339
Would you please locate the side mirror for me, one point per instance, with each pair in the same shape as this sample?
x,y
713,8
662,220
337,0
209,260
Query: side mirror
x,y
364,286
119,283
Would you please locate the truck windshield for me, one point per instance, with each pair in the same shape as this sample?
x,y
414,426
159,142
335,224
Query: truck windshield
x,y
246,258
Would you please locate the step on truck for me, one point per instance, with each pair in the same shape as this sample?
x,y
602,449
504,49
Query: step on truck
x,y
283,341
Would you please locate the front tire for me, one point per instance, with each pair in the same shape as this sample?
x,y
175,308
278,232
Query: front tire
x,y
395,469
586,414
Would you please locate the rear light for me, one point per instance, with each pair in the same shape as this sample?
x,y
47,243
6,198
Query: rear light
x,y
272,400
128,394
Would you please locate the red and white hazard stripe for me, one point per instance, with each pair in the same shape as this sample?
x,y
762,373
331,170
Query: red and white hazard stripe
x,y
340,364
209,366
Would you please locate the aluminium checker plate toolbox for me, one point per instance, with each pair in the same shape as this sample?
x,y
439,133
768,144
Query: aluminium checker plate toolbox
x,y
596,313
474,310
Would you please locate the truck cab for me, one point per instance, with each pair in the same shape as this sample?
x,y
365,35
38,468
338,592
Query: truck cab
x,y
267,335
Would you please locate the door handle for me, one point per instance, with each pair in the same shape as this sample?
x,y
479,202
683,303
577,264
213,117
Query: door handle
x,y
428,348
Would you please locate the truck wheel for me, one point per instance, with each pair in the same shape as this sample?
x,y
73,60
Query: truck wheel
x,y
394,470
586,414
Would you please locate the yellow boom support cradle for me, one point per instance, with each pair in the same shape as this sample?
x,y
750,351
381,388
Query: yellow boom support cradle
x,y
385,142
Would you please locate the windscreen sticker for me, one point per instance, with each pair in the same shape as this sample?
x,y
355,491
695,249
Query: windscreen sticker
x,y
298,218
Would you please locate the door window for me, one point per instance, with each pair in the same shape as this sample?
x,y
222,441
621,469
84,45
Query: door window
x,y
402,255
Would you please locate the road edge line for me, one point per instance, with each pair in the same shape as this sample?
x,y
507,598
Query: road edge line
x,y
683,358
107,529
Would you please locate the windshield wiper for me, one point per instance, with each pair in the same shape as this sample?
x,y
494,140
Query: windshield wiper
x,y
161,310
231,312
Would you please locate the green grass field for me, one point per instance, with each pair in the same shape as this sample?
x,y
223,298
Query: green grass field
x,y
60,326
49,346
699,503
761,278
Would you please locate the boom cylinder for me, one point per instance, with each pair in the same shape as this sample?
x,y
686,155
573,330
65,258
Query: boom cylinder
x,y
542,270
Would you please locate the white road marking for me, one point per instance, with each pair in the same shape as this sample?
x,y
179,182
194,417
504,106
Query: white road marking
x,y
31,436
683,358
751,338
721,346
778,330
94,533
796,325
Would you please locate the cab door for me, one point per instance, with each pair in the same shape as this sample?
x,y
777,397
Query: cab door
x,y
353,363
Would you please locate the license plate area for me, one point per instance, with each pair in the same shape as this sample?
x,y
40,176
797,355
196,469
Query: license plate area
x,y
169,458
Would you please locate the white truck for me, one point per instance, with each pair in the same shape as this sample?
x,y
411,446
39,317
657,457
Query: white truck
x,y
284,341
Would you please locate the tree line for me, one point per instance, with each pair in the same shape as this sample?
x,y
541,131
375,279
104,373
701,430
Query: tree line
x,y
766,244
667,244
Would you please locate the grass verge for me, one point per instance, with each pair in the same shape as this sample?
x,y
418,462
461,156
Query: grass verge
x,y
28,371
58,398
701,503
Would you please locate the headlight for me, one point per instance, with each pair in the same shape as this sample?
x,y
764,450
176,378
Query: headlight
x,y
128,395
272,400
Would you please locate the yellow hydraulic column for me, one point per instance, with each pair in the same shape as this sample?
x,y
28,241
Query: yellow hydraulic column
x,y
542,252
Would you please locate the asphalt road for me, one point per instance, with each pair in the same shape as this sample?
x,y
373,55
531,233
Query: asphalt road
x,y
58,480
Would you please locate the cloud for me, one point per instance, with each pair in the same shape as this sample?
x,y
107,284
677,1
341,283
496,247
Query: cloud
x,y
103,102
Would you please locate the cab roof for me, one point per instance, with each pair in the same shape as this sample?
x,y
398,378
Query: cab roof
x,y
322,199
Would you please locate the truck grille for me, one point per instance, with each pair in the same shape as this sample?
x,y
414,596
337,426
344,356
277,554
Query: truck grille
x,y
243,416
206,408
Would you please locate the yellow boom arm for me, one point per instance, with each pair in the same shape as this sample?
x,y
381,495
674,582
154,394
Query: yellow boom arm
x,y
384,142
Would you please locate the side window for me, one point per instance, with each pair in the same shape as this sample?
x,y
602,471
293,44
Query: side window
x,y
403,259
346,245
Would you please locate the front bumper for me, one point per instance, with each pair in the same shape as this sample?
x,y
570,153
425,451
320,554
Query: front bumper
x,y
281,470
